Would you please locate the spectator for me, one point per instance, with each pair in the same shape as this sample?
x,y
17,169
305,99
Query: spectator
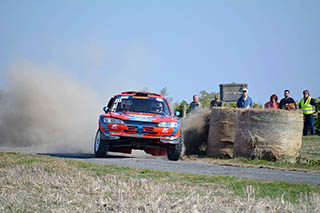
x,y
272,104
216,102
287,102
308,106
195,103
244,101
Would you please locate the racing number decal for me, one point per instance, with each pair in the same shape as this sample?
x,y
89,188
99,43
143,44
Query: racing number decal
x,y
116,102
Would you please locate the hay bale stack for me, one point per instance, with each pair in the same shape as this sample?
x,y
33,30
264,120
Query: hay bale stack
x,y
195,130
268,134
222,132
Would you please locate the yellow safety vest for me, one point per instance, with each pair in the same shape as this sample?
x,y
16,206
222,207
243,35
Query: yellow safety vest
x,y
306,107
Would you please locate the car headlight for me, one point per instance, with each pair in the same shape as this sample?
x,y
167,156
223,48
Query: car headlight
x,y
112,121
168,124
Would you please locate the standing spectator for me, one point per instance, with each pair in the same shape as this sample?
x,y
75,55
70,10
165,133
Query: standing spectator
x,y
272,104
216,102
308,106
245,101
195,103
287,102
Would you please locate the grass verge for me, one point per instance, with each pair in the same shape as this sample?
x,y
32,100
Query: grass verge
x,y
42,183
309,158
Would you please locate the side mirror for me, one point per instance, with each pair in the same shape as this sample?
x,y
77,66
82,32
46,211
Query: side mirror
x,y
177,113
105,109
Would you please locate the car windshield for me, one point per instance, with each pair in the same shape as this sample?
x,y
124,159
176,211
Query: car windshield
x,y
141,105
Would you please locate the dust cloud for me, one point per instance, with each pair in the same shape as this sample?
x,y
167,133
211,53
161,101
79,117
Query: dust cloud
x,y
195,130
47,110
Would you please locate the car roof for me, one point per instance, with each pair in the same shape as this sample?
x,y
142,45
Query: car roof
x,y
146,94
139,93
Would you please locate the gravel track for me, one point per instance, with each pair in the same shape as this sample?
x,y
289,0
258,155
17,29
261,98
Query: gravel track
x,y
212,169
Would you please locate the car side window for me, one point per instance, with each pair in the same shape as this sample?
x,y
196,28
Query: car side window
x,y
110,103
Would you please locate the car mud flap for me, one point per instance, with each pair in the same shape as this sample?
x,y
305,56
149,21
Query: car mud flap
x,y
156,151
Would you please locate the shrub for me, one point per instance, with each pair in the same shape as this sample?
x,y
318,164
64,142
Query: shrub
x,y
231,104
180,107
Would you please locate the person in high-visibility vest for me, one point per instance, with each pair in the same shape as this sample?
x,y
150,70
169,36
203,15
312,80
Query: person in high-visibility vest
x,y
308,107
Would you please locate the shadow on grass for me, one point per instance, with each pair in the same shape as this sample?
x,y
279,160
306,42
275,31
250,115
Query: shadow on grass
x,y
80,155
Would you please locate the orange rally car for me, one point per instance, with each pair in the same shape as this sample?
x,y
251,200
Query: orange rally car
x,y
139,120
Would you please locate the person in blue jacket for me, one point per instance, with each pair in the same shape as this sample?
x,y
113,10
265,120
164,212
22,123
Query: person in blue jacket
x,y
245,101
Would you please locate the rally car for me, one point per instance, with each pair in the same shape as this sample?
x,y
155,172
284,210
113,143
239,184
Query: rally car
x,y
139,120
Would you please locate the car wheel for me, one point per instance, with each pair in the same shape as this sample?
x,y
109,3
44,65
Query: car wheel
x,y
175,150
100,146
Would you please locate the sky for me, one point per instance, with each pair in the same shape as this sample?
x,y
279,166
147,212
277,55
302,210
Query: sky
x,y
186,46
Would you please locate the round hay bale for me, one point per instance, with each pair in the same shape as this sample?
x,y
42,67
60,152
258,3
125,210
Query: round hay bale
x,y
222,132
195,130
268,134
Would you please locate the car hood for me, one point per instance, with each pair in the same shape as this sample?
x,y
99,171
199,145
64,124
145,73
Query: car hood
x,y
143,117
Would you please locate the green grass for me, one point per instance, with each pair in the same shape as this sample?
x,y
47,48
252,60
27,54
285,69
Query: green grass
x,y
274,190
309,158
308,164
311,138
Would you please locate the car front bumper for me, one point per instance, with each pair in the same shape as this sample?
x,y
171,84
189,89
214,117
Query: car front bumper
x,y
125,139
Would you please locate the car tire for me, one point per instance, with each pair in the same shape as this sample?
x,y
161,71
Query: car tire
x,y
100,146
175,150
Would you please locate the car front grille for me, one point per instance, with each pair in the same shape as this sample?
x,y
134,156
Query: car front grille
x,y
137,123
146,131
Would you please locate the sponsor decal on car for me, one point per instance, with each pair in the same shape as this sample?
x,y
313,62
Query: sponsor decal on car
x,y
165,130
141,118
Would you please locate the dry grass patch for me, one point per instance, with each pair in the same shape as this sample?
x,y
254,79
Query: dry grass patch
x,y
47,184
311,148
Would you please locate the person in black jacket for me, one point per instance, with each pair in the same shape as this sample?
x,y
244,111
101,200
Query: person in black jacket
x,y
287,102
216,102
195,104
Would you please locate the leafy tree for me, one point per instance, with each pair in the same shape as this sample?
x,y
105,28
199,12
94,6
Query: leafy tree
x,y
231,104
183,105
145,89
206,97
164,93
257,106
